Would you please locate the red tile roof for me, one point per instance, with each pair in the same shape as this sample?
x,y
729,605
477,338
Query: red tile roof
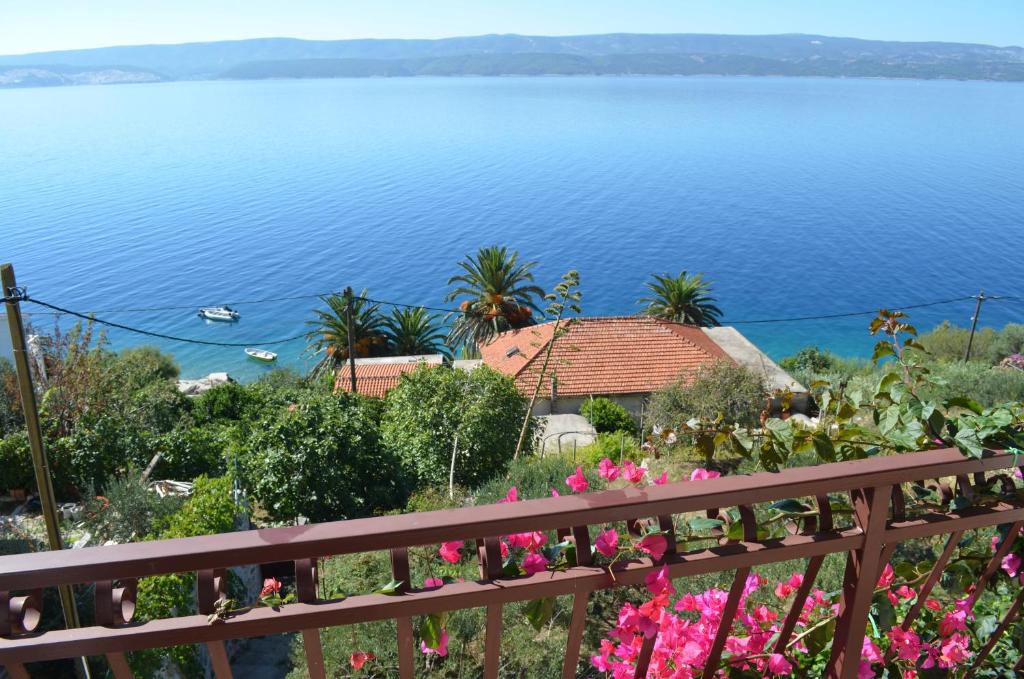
x,y
612,355
378,377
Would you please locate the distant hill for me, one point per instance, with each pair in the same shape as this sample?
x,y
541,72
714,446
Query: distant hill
x,y
51,76
620,53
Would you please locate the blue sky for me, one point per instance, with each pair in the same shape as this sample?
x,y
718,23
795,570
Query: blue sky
x,y
40,25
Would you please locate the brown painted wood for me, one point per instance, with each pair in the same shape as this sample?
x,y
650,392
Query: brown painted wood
x,y
732,605
994,638
994,563
314,649
17,671
577,624
406,649
144,559
643,659
119,666
492,643
810,575
219,660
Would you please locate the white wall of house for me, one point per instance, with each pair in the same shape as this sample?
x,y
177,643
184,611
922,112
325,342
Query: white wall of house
x,y
567,405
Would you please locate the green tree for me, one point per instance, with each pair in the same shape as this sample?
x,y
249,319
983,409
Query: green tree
x,y
497,293
719,389
328,335
413,331
683,299
321,458
606,415
435,414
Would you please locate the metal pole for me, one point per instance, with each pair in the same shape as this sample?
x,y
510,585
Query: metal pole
x,y
974,324
350,330
44,483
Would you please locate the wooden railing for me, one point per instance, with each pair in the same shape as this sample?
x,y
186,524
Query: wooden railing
x,y
879,525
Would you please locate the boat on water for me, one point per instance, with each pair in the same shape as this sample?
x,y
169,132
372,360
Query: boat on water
x,y
219,313
261,355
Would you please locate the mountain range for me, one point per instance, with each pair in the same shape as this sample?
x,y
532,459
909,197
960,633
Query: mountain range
x,y
493,55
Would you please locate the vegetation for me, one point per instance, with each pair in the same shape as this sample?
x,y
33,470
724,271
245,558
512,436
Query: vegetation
x,y
683,299
606,415
328,335
947,342
453,426
496,293
413,331
721,390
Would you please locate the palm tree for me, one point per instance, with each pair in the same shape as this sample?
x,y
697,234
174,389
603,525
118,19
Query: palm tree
x,y
498,294
329,332
412,331
683,299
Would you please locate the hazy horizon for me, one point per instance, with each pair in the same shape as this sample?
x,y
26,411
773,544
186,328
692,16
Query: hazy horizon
x,y
65,25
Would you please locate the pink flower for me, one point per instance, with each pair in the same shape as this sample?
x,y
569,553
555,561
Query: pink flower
x,y
699,474
504,549
869,651
932,604
778,665
433,582
607,542
783,590
659,582
888,575
907,644
954,651
535,563
554,493
578,482
654,545
271,586
360,658
954,621
511,496
864,671
531,541
661,480
905,592
449,551
442,646
1011,564
633,473
608,470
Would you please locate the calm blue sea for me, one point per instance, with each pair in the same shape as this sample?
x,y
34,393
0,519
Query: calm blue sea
x,y
794,196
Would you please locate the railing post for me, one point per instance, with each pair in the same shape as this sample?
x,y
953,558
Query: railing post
x,y
871,510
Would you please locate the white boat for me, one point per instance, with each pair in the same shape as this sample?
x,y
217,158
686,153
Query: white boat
x,y
219,313
261,355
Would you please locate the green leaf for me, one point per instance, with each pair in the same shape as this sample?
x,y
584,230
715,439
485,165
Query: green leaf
x,y
967,441
391,588
539,611
885,614
823,447
967,403
735,531
430,630
882,350
790,507
959,503
700,523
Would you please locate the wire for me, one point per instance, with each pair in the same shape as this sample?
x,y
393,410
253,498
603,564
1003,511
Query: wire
x,y
160,335
414,306
845,315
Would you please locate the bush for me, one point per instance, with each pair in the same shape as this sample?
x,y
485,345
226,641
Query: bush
x,y
987,385
190,452
16,469
947,342
128,511
321,458
611,445
533,478
721,388
229,401
431,408
808,359
607,415
11,420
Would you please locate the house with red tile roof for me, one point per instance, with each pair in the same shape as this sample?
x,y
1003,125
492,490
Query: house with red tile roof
x,y
378,376
624,358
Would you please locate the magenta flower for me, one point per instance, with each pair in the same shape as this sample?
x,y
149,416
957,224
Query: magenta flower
x,y
608,470
271,587
654,545
578,482
907,644
449,551
433,582
659,582
661,480
607,542
1011,564
888,575
779,666
535,563
511,496
699,474
442,646
554,493
633,473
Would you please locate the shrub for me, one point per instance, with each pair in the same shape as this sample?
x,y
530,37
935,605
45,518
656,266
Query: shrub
x,y
321,458
721,388
16,469
128,511
947,342
189,452
432,408
985,384
10,402
611,445
533,478
607,415
229,401
808,359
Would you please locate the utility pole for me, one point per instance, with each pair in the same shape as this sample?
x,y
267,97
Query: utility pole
x,y
44,483
974,324
350,322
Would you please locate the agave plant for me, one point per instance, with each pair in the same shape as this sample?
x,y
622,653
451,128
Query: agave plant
x,y
683,299
497,293
413,331
328,335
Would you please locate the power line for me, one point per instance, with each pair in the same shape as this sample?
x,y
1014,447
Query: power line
x,y
160,335
852,313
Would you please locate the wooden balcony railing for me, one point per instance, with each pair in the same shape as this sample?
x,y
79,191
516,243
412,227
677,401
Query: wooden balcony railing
x,y
879,525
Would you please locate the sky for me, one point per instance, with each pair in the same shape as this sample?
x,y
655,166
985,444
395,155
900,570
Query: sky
x,y
45,25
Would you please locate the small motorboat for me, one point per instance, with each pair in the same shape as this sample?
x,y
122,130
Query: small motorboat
x,y
261,355
219,313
